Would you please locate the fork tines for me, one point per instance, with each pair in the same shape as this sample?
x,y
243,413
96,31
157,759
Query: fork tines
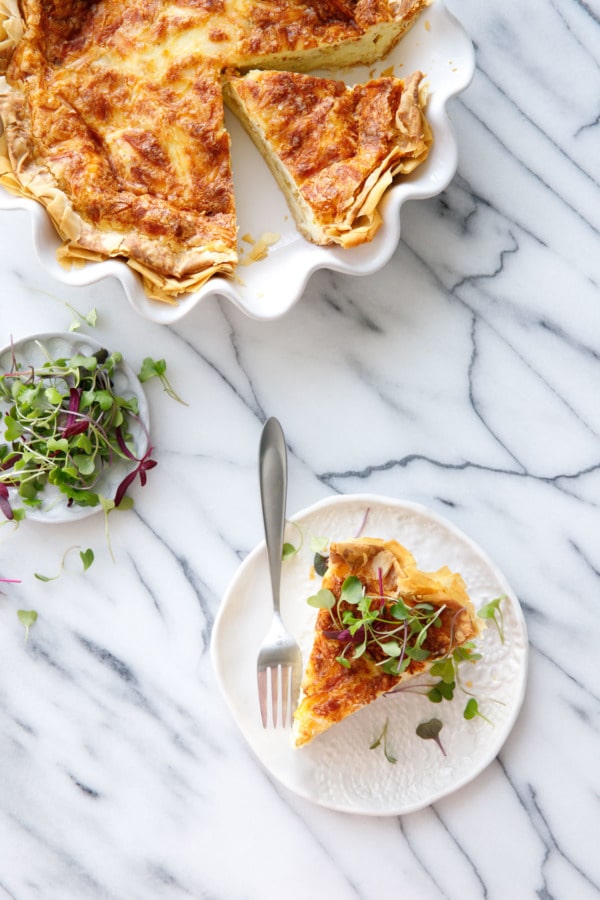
x,y
275,682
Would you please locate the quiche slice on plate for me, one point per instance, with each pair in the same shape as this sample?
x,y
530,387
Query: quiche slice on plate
x,y
383,622
333,149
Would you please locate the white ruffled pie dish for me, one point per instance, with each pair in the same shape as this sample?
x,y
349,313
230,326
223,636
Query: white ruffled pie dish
x,y
438,46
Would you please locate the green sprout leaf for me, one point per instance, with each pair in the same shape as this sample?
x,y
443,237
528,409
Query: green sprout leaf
x,y
352,590
90,318
27,617
430,731
323,599
320,564
152,368
383,739
319,544
472,710
492,610
86,556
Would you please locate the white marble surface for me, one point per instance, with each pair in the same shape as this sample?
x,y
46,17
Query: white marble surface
x,y
464,376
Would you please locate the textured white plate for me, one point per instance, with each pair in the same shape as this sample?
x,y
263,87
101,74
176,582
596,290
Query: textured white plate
x,y
439,47
30,351
338,769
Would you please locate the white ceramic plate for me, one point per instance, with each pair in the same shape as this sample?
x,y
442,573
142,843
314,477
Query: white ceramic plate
x,y
439,47
337,769
32,350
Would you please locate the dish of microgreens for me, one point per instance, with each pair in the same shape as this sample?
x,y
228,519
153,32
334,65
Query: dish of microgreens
x,y
412,745
74,434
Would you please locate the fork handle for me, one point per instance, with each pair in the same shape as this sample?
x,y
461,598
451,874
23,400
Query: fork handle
x,y
272,467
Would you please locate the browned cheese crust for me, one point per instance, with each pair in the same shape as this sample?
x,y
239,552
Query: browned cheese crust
x,y
331,692
113,115
334,149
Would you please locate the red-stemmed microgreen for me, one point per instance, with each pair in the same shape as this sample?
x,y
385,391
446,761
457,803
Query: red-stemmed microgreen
x,y
63,425
143,465
382,739
430,731
152,368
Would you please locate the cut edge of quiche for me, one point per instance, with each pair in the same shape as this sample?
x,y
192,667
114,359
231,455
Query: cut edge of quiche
x,y
332,691
333,149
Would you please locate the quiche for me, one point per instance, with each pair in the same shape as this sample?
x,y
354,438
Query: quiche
x,y
388,622
113,119
333,149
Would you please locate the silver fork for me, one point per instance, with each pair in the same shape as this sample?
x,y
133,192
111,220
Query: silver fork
x,y
279,665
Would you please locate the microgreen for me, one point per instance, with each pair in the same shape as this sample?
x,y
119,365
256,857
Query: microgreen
x,y
493,611
90,318
393,631
430,731
320,564
288,550
319,544
86,557
152,368
383,739
472,710
323,599
27,617
320,549
63,425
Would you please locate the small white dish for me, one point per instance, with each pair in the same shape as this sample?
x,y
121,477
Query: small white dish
x,y
338,769
35,350
437,45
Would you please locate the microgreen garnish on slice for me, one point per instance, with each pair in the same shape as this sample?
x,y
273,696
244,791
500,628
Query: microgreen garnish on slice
x,y
493,611
320,564
27,617
393,631
383,738
86,557
430,731
472,710
323,599
152,368
64,424
320,549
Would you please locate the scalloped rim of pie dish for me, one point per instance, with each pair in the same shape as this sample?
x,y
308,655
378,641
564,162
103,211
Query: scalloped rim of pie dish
x,y
267,287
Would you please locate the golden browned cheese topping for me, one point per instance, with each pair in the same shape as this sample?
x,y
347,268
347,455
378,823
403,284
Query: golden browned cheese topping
x,y
114,117
329,137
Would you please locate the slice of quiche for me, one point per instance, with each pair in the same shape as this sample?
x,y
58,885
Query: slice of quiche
x,y
388,622
333,149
